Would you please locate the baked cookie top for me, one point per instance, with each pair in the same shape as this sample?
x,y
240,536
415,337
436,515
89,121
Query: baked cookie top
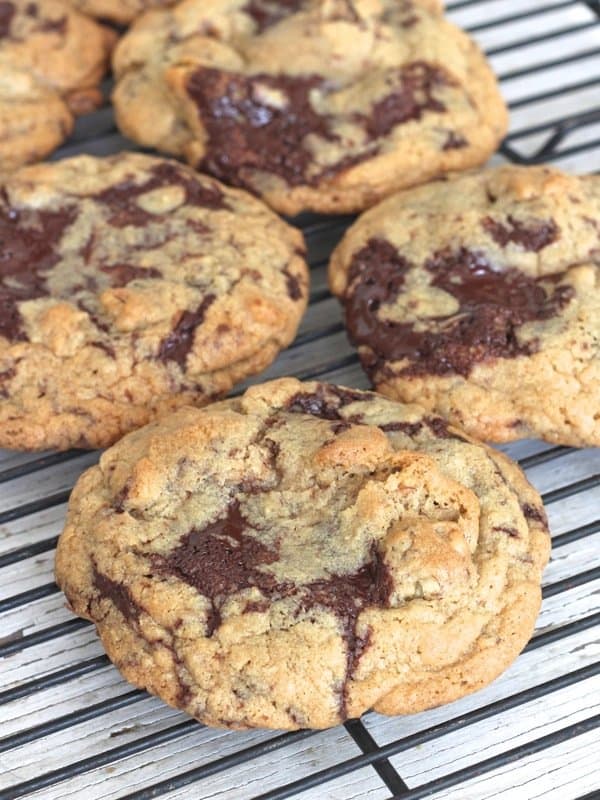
x,y
480,296
313,104
130,285
303,553
51,61
120,11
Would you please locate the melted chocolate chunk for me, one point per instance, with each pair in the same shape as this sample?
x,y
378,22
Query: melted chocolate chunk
x,y
454,141
6,376
54,25
409,428
536,514
266,13
340,427
437,425
293,285
28,242
177,345
493,304
326,401
532,236
221,559
7,12
247,133
418,81
118,594
512,532
346,596
224,558
121,198
122,274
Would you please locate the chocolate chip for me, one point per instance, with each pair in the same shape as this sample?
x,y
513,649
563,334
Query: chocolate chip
x,y
7,12
532,236
408,428
340,427
414,96
118,594
122,274
536,514
266,13
177,345
454,141
326,401
6,376
293,285
54,25
512,532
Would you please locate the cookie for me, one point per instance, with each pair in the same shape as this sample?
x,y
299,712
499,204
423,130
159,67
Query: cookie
x,y
378,95
303,553
479,297
129,286
51,61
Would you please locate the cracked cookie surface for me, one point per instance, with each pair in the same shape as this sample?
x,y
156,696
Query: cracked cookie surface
x,y
303,553
52,59
479,297
379,94
129,286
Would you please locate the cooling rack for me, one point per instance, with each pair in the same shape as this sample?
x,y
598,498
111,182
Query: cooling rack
x,y
71,728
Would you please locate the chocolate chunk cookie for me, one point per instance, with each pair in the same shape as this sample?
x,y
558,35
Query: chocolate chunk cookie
x,y
326,105
51,61
298,555
129,286
479,297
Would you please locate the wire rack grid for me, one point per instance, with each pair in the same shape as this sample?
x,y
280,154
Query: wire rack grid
x,y
71,728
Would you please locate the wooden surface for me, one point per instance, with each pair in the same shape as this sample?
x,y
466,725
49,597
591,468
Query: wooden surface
x,y
71,728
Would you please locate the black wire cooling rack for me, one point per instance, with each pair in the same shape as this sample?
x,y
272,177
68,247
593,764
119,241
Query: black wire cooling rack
x,y
70,728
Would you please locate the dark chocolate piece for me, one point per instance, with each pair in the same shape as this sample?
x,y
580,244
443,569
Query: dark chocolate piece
x,y
454,141
244,133
221,559
7,12
121,198
346,596
532,236
266,13
28,241
418,82
326,401
58,25
512,532
122,274
293,285
118,594
224,558
408,428
493,304
177,345
536,514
